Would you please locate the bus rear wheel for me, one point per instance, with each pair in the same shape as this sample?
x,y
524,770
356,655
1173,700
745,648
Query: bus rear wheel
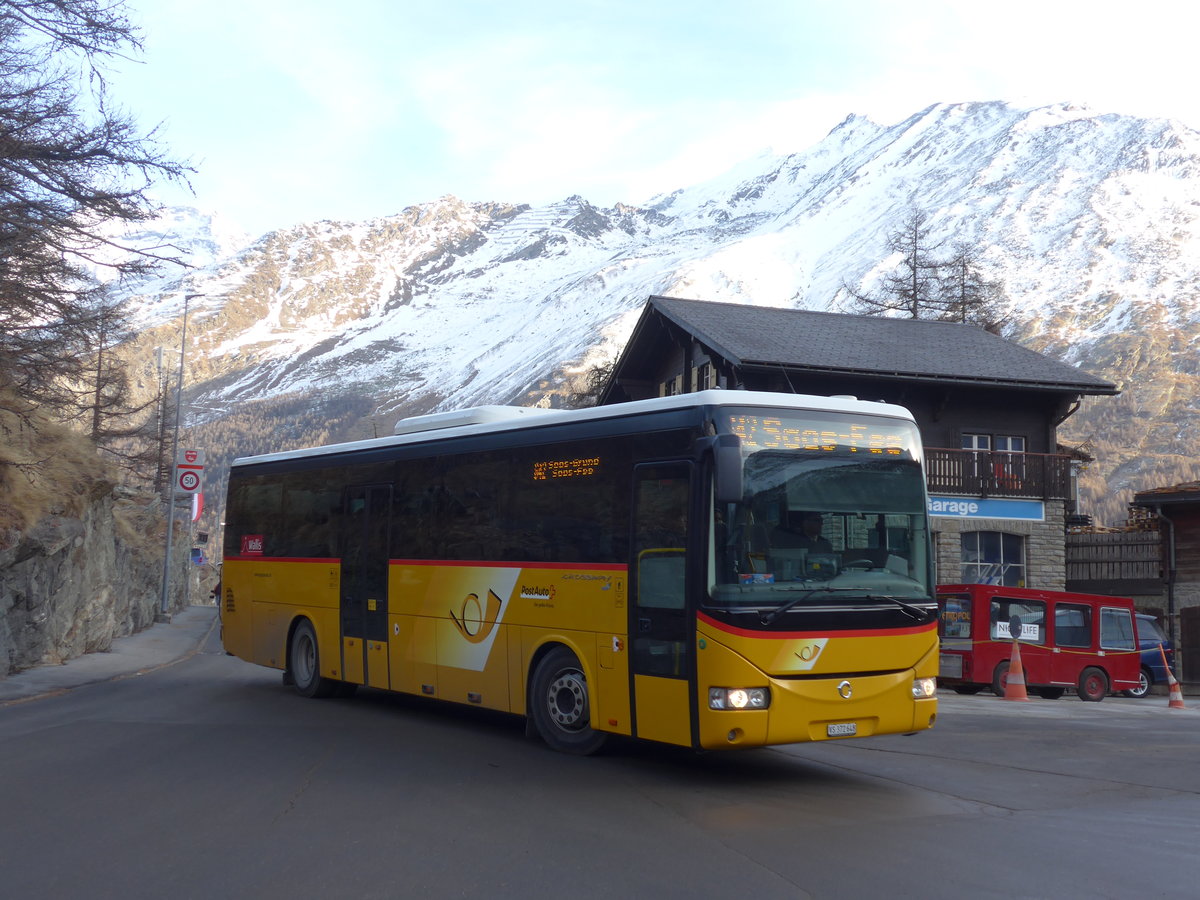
x,y
559,704
1093,685
304,663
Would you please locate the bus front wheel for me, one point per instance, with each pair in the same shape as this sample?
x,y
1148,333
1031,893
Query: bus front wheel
x,y
304,663
1093,684
559,704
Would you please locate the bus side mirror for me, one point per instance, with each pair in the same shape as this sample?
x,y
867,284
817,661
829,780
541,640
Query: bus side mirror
x,y
727,468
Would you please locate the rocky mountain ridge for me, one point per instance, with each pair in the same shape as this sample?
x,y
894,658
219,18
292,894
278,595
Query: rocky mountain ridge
x,y
1091,222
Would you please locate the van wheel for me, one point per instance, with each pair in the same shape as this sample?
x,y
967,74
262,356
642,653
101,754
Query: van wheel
x,y
559,704
1000,679
1093,685
1144,682
304,663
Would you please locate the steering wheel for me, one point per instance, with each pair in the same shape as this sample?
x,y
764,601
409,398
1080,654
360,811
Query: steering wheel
x,y
860,564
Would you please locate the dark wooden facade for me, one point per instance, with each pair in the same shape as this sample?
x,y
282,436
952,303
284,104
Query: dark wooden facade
x,y
1177,509
1120,563
957,380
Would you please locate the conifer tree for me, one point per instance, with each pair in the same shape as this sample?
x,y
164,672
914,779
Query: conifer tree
x,y
70,167
967,294
913,288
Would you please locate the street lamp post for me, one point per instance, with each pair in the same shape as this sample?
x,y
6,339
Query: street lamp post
x,y
164,603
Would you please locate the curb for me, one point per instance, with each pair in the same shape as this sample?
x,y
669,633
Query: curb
x,y
162,644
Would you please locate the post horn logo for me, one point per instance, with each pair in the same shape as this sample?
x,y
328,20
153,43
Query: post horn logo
x,y
473,621
808,652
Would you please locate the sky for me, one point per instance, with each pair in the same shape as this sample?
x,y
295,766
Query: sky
x,y
302,110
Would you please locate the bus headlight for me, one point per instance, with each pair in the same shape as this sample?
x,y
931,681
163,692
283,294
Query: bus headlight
x,y
924,688
739,698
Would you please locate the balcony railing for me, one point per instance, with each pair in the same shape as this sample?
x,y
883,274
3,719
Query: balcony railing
x,y
993,473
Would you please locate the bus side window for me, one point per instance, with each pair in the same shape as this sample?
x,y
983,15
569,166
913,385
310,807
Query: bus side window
x,y
1116,629
1072,625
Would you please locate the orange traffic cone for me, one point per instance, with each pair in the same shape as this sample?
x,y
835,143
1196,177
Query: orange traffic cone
x,y
1014,687
1176,699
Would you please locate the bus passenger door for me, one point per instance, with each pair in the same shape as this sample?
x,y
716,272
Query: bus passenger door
x,y
365,584
660,630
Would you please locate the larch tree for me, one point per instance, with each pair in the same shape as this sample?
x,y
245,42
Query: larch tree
x,y
71,168
913,288
968,295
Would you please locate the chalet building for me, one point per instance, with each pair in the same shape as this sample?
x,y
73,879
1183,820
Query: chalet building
x,y
988,411
1177,509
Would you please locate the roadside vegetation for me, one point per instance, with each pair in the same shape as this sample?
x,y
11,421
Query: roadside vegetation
x,y
73,169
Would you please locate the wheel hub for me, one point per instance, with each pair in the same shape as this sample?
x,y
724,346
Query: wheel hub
x,y
567,700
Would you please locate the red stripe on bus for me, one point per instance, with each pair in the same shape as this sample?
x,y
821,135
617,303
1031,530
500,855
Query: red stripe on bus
x,y
492,564
828,632
290,559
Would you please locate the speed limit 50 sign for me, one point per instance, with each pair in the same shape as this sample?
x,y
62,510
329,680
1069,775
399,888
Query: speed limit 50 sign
x,y
187,481
189,469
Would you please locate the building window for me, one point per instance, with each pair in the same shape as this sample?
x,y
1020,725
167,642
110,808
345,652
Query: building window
x,y
977,442
1008,463
993,557
1010,443
997,459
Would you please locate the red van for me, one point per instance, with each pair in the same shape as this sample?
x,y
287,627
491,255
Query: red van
x,y
1086,642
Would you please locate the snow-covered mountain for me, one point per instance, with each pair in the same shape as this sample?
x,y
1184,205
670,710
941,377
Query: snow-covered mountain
x,y
1091,223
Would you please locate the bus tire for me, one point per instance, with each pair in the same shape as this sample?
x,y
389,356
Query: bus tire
x,y
559,704
304,663
1093,685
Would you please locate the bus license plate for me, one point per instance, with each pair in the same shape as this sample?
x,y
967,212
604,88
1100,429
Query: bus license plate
x,y
841,729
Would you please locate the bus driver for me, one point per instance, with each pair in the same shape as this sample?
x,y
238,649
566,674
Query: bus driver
x,y
807,538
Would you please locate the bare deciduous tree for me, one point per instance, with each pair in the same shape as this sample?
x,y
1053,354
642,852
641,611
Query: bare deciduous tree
x,y
594,381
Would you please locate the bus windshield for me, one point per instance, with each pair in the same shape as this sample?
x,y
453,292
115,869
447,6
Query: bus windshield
x,y
833,506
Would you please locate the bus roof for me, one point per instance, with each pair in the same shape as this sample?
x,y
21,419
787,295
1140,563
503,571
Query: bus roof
x,y
492,419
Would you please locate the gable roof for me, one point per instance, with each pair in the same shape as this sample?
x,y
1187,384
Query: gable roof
x,y
870,346
1187,492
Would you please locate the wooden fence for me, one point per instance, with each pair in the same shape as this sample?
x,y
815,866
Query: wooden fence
x,y
1133,559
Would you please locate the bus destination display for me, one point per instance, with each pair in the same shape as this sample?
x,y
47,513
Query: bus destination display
x,y
545,470
773,433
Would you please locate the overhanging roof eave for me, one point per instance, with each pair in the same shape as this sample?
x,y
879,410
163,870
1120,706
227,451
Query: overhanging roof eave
x,y
929,378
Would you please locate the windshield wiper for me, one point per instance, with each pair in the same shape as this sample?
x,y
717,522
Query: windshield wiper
x,y
921,615
774,614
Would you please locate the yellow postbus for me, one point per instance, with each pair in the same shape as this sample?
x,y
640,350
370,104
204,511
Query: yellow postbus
x,y
713,570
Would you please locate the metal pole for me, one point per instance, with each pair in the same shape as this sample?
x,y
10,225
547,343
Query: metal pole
x,y
164,603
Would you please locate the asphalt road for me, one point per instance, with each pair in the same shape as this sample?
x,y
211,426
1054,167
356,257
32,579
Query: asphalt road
x,y
207,778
